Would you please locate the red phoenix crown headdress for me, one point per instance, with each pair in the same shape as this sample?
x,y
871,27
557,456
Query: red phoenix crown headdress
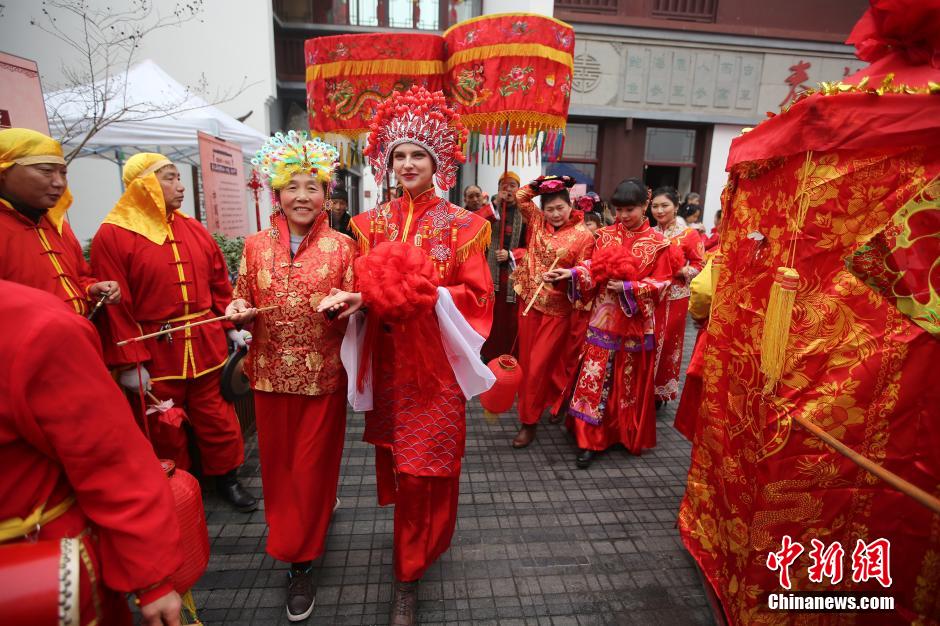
x,y
422,118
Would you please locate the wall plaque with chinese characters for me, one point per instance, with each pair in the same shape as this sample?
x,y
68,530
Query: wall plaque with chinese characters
x,y
689,78
727,84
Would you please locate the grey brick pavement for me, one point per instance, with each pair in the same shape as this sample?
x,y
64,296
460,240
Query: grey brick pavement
x,y
538,542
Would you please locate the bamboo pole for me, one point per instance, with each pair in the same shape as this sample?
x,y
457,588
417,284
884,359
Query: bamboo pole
x,y
540,287
871,467
220,318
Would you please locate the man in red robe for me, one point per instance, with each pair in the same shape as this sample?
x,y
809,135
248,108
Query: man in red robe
x,y
99,482
419,434
507,247
39,248
172,273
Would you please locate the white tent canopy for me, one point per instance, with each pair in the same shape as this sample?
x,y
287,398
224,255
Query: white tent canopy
x,y
148,89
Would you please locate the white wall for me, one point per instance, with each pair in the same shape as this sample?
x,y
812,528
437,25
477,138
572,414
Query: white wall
x,y
543,7
717,176
232,44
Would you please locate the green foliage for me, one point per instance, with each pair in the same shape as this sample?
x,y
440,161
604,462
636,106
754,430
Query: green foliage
x,y
86,250
231,250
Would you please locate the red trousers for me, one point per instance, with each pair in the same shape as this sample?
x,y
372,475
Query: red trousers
x,y
425,514
548,348
214,422
691,399
300,442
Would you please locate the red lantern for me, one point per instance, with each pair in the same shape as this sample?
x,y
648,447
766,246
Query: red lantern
x,y
499,397
194,536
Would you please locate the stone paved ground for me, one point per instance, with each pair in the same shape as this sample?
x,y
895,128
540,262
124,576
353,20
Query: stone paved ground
x,y
538,542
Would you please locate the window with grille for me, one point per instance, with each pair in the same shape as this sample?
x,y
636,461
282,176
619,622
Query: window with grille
x,y
587,6
688,10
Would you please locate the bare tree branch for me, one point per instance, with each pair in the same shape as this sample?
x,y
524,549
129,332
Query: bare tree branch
x,y
106,42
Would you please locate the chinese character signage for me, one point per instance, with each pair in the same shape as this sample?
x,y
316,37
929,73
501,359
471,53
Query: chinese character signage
x,y
223,186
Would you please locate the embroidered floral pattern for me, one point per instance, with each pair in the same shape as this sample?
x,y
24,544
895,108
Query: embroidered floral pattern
x,y
518,79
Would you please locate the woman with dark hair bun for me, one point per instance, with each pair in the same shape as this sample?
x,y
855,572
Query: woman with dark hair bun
x,y
610,398
671,314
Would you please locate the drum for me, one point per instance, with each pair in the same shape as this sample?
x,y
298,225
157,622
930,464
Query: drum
x,y
39,582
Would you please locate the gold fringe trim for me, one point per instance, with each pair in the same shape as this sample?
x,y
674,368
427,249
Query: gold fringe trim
x,y
887,86
494,16
376,67
510,50
519,121
479,243
360,238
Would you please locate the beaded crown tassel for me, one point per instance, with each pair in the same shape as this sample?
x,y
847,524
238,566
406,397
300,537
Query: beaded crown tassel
x,y
424,119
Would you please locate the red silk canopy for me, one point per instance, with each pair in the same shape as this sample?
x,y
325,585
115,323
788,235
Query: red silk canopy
x,y
508,75
844,187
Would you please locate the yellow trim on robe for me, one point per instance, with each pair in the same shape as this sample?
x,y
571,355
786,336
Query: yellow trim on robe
x,y
72,290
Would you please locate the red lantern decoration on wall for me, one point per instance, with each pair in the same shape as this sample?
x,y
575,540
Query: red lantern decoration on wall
x,y
499,397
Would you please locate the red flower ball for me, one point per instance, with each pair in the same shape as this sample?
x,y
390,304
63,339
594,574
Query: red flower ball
x,y
397,281
612,263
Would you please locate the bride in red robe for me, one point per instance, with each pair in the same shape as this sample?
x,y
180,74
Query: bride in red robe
x,y
671,314
610,399
413,373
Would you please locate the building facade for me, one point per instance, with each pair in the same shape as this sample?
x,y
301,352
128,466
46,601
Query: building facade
x,y
661,87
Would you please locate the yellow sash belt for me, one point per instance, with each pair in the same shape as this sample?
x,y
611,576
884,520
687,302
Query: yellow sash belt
x,y
19,527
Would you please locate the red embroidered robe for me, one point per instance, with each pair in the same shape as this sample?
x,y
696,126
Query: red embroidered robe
x,y
612,397
426,435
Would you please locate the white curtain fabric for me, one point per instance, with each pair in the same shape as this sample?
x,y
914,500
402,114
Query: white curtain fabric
x,y
461,344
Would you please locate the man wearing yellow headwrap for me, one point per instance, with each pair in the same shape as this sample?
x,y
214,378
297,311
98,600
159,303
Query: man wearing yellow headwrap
x,y
39,247
172,273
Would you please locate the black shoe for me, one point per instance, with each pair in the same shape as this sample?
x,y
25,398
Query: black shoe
x,y
232,491
301,594
584,459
